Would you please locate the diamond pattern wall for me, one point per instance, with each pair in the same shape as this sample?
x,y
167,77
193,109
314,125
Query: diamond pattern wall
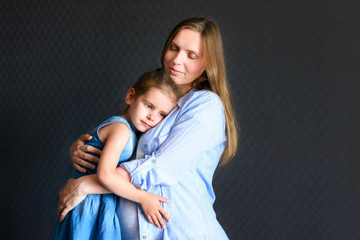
x,y
294,73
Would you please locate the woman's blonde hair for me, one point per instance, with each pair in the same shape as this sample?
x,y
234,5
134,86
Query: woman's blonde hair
x,y
214,77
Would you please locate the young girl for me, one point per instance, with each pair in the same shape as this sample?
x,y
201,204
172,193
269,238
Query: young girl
x,y
152,97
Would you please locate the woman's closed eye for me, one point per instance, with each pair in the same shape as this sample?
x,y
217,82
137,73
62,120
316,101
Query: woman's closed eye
x,y
173,47
192,55
148,106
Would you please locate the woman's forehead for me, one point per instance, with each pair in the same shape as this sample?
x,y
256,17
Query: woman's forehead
x,y
189,40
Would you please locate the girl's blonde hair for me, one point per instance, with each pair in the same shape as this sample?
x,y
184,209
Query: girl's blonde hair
x,y
159,80
214,77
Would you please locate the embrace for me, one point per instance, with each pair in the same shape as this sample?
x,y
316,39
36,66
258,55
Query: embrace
x,y
182,120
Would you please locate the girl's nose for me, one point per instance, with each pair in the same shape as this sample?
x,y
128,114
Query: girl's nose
x,y
150,117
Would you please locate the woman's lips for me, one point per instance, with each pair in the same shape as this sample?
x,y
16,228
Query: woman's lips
x,y
174,71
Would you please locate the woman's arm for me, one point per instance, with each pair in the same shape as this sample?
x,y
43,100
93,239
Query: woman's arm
x,y
111,179
75,190
79,152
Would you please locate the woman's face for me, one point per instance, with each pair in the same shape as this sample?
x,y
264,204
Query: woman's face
x,y
184,60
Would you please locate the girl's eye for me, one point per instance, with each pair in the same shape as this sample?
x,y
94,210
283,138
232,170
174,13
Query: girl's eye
x,y
162,115
148,106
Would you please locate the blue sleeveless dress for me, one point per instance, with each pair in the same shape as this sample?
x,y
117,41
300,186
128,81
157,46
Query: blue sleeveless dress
x,y
96,216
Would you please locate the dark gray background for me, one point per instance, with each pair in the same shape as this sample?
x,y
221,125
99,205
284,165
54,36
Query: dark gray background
x,y
294,73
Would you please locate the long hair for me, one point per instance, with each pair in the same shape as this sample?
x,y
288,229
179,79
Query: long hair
x,y
214,77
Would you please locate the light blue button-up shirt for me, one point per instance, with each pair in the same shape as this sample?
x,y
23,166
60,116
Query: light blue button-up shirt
x,y
177,160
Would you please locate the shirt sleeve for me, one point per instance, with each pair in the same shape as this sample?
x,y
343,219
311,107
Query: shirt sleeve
x,y
199,127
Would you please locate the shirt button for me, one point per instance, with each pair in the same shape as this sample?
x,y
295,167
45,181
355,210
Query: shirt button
x,y
145,145
153,161
144,237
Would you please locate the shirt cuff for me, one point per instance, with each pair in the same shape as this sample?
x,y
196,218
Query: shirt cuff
x,y
138,170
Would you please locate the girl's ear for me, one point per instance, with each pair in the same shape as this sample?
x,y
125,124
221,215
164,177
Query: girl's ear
x,y
130,96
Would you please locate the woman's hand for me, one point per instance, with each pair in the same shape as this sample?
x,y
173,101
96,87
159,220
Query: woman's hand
x,y
69,197
153,210
79,152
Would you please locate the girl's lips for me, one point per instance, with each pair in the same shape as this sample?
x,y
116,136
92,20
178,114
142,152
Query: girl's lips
x,y
147,125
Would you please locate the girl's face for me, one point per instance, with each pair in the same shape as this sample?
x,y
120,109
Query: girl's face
x,y
148,109
184,60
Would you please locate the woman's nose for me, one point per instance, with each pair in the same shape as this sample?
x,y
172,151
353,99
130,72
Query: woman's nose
x,y
178,58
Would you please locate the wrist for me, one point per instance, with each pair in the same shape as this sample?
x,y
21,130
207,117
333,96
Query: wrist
x,y
141,196
82,186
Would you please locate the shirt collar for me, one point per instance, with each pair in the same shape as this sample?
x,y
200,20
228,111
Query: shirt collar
x,y
184,98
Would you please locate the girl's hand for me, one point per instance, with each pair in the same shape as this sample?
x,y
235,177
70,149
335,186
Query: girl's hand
x,y
69,197
154,212
79,153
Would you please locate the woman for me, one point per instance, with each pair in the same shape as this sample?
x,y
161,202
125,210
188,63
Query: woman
x,y
177,159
